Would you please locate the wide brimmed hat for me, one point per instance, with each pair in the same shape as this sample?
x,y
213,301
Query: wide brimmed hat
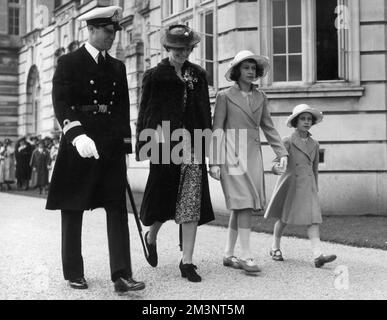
x,y
103,16
301,108
243,55
179,36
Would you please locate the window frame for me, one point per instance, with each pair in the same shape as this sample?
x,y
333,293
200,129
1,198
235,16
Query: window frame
x,y
202,44
309,58
14,11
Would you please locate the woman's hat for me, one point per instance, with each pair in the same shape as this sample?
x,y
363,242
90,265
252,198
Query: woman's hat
x,y
179,36
243,55
301,108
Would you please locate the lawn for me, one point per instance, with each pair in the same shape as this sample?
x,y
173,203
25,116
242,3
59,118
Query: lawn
x,y
360,231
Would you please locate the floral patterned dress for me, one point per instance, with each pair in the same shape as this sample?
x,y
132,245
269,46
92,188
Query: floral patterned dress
x,y
190,187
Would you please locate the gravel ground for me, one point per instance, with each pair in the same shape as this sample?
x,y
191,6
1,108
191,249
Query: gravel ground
x,y
30,263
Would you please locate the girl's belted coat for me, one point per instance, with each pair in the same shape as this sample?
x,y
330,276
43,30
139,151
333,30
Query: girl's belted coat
x,y
295,198
239,155
162,100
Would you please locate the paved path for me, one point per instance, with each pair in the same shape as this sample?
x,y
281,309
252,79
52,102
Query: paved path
x,y
30,263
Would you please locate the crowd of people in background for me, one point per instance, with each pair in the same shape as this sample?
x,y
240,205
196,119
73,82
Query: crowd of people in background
x,y
27,163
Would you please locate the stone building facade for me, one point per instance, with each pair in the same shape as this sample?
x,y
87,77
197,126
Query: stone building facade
x,y
12,27
331,54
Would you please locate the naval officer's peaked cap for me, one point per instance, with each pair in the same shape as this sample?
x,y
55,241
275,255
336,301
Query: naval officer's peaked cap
x,y
103,16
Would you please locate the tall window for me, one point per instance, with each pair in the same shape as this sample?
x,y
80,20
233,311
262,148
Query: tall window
x,y
287,40
13,17
187,4
330,39
208,44
173,6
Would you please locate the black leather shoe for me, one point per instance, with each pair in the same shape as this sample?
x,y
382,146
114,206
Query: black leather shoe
x,y
122,285
321,260
152,252
188,271
79,283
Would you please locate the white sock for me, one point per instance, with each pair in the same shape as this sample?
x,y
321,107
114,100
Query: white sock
x,y
232,236
316,247
276,243
244,239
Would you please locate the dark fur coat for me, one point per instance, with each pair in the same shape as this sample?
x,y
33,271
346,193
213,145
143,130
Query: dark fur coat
x,y
163,100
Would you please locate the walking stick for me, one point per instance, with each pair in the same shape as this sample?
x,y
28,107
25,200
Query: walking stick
x,y
136,217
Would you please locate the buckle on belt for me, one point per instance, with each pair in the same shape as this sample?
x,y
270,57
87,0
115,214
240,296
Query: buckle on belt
x,y
102,108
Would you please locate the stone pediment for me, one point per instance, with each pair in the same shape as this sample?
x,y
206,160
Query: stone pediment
x,y
142,6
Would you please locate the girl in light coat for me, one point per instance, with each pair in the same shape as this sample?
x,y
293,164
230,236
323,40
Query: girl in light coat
x,y
239,113
295,199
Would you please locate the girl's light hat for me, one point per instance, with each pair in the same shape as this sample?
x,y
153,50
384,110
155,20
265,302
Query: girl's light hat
x,y
301,108
262,61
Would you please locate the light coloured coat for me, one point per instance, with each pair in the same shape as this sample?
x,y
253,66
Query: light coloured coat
x,y
295,198
239,155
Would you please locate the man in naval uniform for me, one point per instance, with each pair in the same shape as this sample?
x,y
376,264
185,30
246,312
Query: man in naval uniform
x,y
91,103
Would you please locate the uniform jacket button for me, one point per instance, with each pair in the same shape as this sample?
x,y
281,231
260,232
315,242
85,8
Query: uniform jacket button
x,y
114,83
72,108
95,91
113,93
95,101
95,112
91,81
111,103
109,112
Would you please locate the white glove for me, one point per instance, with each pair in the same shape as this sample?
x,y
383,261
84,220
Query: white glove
x,y
280,168
215,172
284,163
85,147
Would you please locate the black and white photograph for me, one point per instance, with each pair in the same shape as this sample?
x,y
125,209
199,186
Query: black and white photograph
x,y
192,156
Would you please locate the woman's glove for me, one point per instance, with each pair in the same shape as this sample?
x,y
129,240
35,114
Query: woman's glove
x,y
85,147
215,172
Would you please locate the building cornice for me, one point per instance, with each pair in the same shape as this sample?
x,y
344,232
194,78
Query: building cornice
x,y
31,37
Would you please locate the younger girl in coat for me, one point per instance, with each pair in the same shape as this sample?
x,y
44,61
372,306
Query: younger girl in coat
x,y
242,109
295,200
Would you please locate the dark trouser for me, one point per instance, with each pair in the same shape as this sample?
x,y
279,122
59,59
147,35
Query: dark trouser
x,y
118,240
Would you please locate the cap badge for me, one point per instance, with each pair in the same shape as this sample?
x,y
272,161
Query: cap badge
x,y
115,16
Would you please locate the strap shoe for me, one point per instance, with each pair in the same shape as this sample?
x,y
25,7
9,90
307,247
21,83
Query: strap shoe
x,y
321,260
188,271
152,251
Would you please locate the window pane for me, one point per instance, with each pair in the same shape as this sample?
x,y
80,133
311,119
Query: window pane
x,y
279,13
279,40
279,68
294,12
326,40
209,23
209,46
210,73
295,68
295,40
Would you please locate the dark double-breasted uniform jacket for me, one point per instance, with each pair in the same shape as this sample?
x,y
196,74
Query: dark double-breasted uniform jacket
x,y
86,183
162,100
